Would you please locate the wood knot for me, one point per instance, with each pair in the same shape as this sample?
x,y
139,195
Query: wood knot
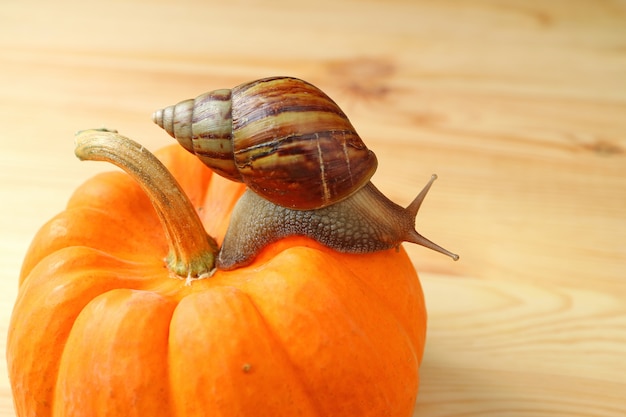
x,y
603,147
363,77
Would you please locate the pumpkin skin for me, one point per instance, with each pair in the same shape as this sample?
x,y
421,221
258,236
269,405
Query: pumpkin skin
x,y
101,327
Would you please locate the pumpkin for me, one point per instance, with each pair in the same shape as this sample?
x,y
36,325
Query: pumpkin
x,y
102,325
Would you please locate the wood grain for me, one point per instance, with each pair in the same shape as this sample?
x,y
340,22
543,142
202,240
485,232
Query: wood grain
x,y
519,106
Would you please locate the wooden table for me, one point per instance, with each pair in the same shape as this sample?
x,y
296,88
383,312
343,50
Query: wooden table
x,y
519,106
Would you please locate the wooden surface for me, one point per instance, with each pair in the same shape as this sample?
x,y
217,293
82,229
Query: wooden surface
x,y
519,106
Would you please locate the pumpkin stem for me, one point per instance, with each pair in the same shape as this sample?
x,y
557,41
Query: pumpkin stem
x,y
192,250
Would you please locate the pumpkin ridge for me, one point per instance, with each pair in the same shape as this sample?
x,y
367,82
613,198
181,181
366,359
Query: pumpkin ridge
x,y
110,191
272,252
44,330
239,369
217,203
375,297
339,321
391,305
76,227
294,370
120,319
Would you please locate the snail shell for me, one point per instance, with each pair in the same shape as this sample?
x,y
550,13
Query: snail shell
x,y
281,136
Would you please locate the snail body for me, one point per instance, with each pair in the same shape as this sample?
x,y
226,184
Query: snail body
x,y
306,169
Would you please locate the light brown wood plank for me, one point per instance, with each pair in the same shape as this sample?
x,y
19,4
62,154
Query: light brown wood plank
x,y
519,106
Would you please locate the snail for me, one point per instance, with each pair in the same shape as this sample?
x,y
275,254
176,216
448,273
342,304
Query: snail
x,y
306,169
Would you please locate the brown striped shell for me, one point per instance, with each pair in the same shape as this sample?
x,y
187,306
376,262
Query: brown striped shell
x,y
283,137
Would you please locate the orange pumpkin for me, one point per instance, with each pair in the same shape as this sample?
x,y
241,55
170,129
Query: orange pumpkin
x,y
101,325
